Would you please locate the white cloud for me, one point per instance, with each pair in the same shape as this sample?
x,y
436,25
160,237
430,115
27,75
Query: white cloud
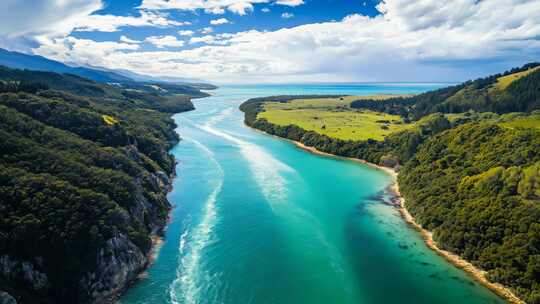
x,y
240,7
128,40
207,30
219,39
219,21
290,2
204,39
164,41
415,41
186,33
265,10
111,23
86,50
287,15
61,17
18,18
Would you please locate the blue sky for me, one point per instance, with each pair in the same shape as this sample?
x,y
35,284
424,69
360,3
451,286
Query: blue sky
x,y
264,17
280,40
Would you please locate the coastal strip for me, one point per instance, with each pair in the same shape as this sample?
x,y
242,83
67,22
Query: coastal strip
x,y
474,272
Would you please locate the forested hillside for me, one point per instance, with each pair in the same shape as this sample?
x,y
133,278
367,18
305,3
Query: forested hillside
x,y
84,173
468,172
477,187
15,60
517,90
12,80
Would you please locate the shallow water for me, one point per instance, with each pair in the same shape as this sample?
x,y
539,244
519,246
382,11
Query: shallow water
x,y
256,220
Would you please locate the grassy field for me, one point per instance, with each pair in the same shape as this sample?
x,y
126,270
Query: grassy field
x,y
334,117
109,120
526,122
505,81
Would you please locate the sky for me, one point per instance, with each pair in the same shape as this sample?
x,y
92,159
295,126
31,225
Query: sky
x,y
276,41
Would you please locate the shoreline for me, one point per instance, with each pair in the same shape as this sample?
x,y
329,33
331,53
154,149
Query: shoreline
x,y
474,272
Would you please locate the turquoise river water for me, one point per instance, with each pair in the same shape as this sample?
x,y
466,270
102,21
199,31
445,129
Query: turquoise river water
x,y
257,220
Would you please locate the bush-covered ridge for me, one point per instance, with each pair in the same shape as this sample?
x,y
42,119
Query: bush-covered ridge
x,y
481,95
80,195
473,179
173,99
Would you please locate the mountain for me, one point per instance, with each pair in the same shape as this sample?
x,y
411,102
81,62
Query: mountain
x,y
17,60
33,62
162,100
148,78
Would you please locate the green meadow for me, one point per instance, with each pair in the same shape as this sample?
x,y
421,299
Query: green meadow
x,y
334,117
504,81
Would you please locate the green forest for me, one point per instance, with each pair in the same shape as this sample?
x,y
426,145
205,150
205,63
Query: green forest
x,y
81,163
469,171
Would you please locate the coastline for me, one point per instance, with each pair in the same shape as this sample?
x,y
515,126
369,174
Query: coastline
x,y
476,273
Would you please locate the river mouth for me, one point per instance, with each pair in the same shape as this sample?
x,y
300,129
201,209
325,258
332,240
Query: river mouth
x,y
257,220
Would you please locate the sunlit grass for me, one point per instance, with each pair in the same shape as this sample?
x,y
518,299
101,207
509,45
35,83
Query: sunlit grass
x,y
333,117
109,120
505,81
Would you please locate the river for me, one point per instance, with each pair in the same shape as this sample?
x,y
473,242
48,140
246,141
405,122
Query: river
x,y
257,220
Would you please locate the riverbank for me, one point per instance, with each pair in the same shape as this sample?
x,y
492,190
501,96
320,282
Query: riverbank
x,y
477,274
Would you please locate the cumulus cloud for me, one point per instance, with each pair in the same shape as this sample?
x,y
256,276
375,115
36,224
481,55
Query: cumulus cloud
x,y
425,37
240,7
25,23
207,30
219,39
86,50
265,10
111,23
219,21
128,40
290,2
186,33
164,41
18,18
208,39
287,15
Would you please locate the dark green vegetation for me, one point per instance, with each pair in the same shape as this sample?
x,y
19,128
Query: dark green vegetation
x,y
30,81
481,95
134,81
471,178
84,173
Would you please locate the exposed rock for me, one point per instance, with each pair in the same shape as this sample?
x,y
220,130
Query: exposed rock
x,y
6,298
132,153
23,271
118,263
390,161
36,278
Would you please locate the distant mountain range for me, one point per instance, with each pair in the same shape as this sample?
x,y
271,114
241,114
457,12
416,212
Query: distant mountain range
x,y
39,63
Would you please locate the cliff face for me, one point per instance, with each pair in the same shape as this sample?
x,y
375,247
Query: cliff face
x,y
120,261
83,190
117,263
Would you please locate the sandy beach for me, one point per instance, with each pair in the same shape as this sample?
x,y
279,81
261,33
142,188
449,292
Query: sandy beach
x,y
477,274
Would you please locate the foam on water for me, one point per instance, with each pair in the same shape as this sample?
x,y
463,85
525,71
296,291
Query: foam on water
x,y
189,275
267,172
265,168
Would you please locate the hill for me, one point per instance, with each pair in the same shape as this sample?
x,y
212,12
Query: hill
x,y
517,90
22,61
84,174
15,80
469,167
127,80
